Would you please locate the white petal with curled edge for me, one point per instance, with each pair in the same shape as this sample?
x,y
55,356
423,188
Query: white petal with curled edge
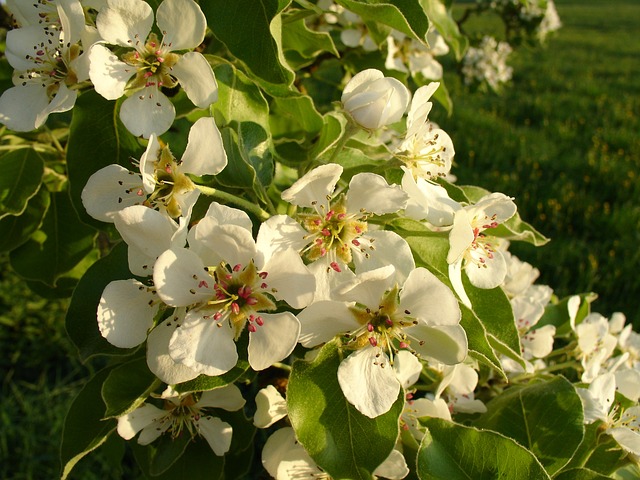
x,y
147,111
489,274
228,398
428,299
323,320
455,276
147,164
71,19
407,368
216,432
371,193
394,467
368,381
110,190
145,229
628,382
153,431
420,108
196,78
276,448
133,422
229,243
158,359
445,343
63,101
497,206
205,154
538,343
270,407
180,278
20,107
626,438
360,78
314,186
224,215
108,74
382,247
182,22
204,345
125,313
291,279
125,22
277,234
461,236
367,288
274,340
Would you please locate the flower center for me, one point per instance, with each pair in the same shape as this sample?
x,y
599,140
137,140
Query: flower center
x,y
481,248
153,64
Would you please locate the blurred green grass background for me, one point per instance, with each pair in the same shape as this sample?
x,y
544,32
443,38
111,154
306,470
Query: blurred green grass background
x,y
563,139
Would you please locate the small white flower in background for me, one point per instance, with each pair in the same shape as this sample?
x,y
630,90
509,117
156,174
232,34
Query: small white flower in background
x,y
162,182
597,401
373,100
596,344
520,275
374,312
333,229
225,283
184,415
426,149
457,385
152,62
550,22
411,56
45,59
487,63
472,249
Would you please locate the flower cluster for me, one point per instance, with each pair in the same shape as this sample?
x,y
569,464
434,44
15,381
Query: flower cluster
x,y
487,64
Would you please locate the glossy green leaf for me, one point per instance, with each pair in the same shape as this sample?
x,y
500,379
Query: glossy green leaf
x,y
333,129
22,171
442,19
81,322
57,247
168,451
450,451
261,50
545,417
16,229
580,474
97,138
128,386
479,345
84,427
341,440
295,117
203,383
306,43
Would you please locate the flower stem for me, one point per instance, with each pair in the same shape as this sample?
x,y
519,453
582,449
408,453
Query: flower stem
x,y
241,202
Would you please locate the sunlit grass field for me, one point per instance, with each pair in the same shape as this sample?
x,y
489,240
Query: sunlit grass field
x,y
563,139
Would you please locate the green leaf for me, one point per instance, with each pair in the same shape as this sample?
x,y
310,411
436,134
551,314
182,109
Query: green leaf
x,y
307,44
407,16
341,440
81,322
517,229
260,45
429,248
203,383
22,172
97,138
334,126
239,99
128,386
168,451
60,244
442,19
545,417
15,230
479,344
454,452
295,117
580,474
84,428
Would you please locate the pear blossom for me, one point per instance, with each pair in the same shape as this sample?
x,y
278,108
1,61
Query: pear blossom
x,y
332,231
377,317
373,100
45,60
520,275
411,56
428,202
151,61
595,344
225,284
487,64
458,384
184,414
270,407
470,247
162,182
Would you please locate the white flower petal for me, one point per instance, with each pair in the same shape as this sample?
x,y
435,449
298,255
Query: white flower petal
x,y
314,186
383,247
110,190
445,343
133,422
394,467
371,193
489,274
229,243
125,22
270,407
196,78
204,345
205,153
327,279
628,382
182,23
367,288
407,368
274,340
228,398
460,237
292,280
279,233
21,44
71,19
181,279
158,359
148,164
538,343
428,299
21,106
216,432
108,74
420,107
626,438
455,276
125,313
63,101
145,229
323,320
153,431
146,112
368,381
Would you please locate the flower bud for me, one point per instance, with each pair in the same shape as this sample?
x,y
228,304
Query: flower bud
x,y
374,100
